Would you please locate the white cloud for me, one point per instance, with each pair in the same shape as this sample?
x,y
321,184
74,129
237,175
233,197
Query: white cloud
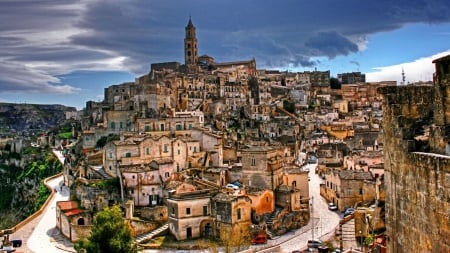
x,y
421,69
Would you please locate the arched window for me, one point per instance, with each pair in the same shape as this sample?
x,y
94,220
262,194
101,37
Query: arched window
x,y
80,221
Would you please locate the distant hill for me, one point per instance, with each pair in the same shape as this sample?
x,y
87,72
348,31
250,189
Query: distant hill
x,y
17,118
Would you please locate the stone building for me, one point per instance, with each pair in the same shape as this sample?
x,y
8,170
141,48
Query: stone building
x,y
263,202
416,123
262,167
232,215
72,221
190,45
351,78
190,215
347,188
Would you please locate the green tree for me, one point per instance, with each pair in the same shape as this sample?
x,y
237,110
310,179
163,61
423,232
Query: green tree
x,y
335,84
110,234
289,106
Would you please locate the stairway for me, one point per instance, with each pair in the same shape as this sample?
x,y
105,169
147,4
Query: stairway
x,y
349,234
101,172
147,236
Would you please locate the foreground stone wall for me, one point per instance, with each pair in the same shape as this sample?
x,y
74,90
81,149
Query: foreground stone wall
x,y
417,181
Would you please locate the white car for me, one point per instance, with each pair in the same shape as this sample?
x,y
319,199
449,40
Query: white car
x,y
232,186
332,207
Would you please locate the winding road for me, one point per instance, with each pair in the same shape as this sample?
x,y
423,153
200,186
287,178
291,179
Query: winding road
x,y
40,234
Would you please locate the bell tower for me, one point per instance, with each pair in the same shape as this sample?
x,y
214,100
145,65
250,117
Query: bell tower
x,y
190,45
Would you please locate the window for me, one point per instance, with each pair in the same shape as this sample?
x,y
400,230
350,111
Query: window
x,y
360,191
179,151
162,127
147,129
173,210
147,151
195,149
348,191
113,125
238,213
120,125
253,162
110,154
188,210
166,148
190,126
205,210
267,199
178,127
128,154
167,174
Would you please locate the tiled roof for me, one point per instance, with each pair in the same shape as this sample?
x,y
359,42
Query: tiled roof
x,y
355,175
73,212
67,205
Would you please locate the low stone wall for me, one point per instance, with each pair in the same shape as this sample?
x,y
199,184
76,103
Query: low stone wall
x,y
39,212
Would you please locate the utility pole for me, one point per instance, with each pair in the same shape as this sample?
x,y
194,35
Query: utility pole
x,y
341,242
312,216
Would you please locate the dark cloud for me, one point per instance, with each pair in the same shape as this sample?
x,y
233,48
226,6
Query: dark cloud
x,y
330,44
47,38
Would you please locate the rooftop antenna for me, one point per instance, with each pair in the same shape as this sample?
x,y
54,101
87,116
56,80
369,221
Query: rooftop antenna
x,y
403,76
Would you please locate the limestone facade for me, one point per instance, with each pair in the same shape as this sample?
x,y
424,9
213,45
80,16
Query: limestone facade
x,y
417,167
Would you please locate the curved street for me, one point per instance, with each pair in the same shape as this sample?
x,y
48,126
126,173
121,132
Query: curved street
x,y
325,221
40,235
44,237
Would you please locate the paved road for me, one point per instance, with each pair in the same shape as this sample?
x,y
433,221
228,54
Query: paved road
x,y
325,221
40,235
43,236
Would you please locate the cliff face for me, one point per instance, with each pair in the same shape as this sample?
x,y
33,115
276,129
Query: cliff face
x,y
16,118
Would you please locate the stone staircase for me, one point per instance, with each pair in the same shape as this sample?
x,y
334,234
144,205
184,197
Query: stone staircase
x,y
147,236
102,172
349,234
269,222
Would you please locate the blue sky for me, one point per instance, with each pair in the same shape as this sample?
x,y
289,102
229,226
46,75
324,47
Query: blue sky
x,y
67,52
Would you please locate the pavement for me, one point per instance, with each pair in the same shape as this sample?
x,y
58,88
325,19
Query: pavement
x,y
40,234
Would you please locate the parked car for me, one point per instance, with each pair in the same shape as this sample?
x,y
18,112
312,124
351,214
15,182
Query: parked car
x,y
259,239
232,186
314,244
332,207
16,243
349,211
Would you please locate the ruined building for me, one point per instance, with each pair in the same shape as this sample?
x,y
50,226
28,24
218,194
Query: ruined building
x,y
416,125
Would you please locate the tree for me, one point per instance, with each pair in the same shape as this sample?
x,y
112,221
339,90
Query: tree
x,y
110,233
335,84
235,238
289,106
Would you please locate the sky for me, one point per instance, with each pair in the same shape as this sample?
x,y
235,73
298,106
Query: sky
x,y
67,52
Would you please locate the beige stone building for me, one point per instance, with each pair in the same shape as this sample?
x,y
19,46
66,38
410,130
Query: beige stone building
x,y
262,167
231,215
347,188
72,221
190,215
416,120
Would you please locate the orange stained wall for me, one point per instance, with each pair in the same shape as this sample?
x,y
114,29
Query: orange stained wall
x,y
263,203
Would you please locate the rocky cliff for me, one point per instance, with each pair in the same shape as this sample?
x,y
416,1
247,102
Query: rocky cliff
x,y
23,118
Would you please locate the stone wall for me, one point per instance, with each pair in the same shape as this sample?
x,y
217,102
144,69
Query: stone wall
x,y
417,182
